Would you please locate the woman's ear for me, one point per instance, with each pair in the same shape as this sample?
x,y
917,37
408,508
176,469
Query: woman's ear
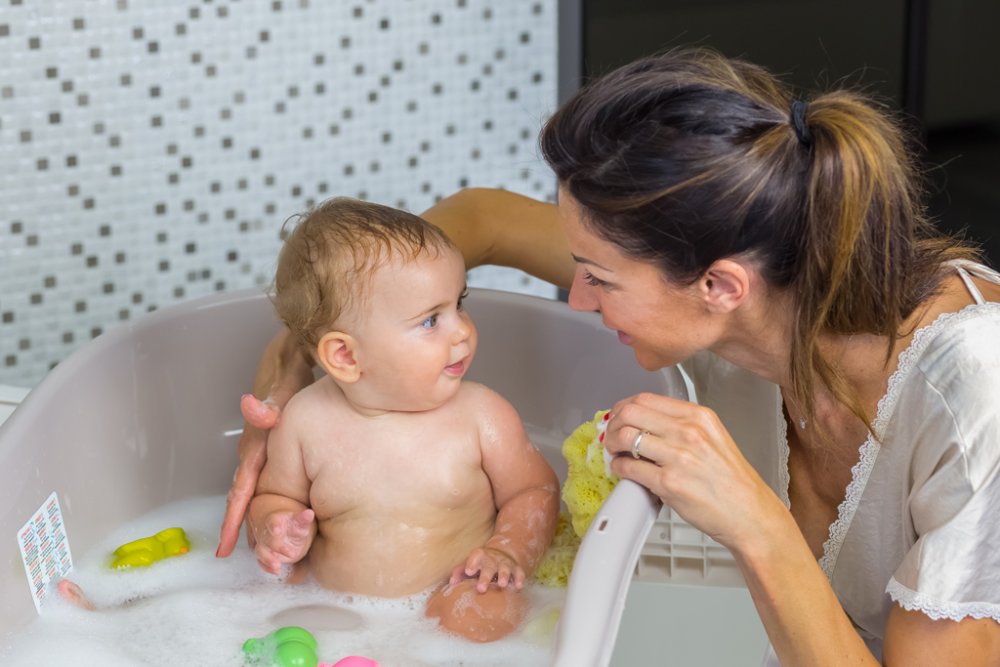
x,y
725,285
335,353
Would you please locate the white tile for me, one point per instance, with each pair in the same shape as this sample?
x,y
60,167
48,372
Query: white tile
x,y
180,133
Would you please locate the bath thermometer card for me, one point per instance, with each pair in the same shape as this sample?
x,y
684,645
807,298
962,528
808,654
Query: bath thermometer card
x,y
44,548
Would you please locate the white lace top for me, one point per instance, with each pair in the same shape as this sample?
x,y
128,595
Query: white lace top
x,y
920,523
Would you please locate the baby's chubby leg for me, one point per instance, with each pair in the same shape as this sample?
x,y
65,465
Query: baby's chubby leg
x,y
481,617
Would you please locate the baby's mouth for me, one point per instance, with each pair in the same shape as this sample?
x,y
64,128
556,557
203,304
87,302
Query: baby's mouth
x,y
457,368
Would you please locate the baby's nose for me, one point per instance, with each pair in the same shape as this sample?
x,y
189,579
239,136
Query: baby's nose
x,y
462,331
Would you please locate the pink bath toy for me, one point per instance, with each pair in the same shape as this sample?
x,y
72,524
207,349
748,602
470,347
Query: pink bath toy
x,y
352,661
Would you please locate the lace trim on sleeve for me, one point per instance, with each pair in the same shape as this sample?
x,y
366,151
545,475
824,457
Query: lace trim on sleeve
x,y
937,609
868,452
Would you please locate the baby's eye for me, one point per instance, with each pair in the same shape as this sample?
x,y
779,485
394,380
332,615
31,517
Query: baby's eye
x,y
463,297
593,280
430,322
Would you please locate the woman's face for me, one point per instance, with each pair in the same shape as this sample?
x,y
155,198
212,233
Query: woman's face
x,y
663,323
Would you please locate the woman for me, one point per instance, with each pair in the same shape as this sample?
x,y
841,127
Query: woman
x,y
779,250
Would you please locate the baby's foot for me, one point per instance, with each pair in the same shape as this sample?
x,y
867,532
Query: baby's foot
x,y
73,594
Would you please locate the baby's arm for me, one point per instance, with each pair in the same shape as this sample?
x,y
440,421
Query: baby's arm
x,y
526,493
279,516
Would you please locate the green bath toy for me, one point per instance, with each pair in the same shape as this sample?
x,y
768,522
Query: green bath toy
x,y
290,646
147,550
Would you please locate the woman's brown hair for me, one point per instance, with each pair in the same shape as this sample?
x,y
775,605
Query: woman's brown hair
x,y
688,157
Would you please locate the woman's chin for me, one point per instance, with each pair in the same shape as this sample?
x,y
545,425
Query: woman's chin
x,y
653,362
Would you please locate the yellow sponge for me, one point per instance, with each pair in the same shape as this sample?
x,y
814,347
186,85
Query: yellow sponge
x,y
588,480
558,560
588,483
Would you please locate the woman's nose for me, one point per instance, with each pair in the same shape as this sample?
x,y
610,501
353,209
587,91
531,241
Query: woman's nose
x,y
581,295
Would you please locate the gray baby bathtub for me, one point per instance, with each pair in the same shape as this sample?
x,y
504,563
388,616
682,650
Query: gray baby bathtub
x,y
148,413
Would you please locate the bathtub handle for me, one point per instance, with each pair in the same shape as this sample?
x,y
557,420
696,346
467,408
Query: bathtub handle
x,y
602,571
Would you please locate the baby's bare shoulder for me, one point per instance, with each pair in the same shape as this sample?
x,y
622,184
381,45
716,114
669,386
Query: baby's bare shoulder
x,y
488,407
473,392
311,408
322,393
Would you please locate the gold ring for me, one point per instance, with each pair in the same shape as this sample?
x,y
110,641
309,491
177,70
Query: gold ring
x,y
636,443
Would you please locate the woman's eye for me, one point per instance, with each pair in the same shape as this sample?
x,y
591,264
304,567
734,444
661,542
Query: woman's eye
x,y
591,279
430,322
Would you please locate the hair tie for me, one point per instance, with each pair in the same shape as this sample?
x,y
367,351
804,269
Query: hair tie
x,y
799,122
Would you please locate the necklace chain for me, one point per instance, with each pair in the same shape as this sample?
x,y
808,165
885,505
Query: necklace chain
x,y
802,421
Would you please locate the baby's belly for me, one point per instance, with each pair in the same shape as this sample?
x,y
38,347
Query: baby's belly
x,y
393,557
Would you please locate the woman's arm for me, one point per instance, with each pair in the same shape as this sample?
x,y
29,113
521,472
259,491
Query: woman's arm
x,y
807,625
506,229
689,460
283,371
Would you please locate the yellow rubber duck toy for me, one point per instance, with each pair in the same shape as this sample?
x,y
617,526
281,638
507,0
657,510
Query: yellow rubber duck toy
x,y
148,550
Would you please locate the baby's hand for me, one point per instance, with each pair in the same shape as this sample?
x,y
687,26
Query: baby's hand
x,y
490,564
284,538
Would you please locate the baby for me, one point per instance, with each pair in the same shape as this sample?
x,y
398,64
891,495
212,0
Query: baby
x,y
391,475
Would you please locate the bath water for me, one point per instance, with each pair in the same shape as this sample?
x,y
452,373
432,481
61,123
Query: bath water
x,y
197,609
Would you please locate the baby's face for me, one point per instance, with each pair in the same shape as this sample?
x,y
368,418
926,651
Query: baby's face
x,y
415,340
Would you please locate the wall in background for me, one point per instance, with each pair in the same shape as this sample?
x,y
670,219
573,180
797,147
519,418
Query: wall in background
x,y
812,43
151,149
816,44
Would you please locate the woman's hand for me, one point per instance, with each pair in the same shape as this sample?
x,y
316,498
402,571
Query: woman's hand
x,y
260,417
688,459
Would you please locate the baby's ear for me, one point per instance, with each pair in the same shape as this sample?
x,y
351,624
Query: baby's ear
x,y
335,353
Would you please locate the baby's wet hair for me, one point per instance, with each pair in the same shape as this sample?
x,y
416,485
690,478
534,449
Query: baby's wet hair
x,y
331,252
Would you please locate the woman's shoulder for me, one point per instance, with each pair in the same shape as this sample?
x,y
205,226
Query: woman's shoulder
x,y
970,336
952,366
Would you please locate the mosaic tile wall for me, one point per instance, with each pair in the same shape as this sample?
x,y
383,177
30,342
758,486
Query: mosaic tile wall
x,y
150,149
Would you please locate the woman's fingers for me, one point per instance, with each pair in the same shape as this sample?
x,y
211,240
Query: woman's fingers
x,y
260,417
260,414
638,430
237,502
687,459
253,454
658,415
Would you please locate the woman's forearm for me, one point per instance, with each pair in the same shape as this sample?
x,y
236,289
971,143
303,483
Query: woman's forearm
x,y
283,369
506,229
799,610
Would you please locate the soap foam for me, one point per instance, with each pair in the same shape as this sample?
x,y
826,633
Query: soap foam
x,y
196,609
